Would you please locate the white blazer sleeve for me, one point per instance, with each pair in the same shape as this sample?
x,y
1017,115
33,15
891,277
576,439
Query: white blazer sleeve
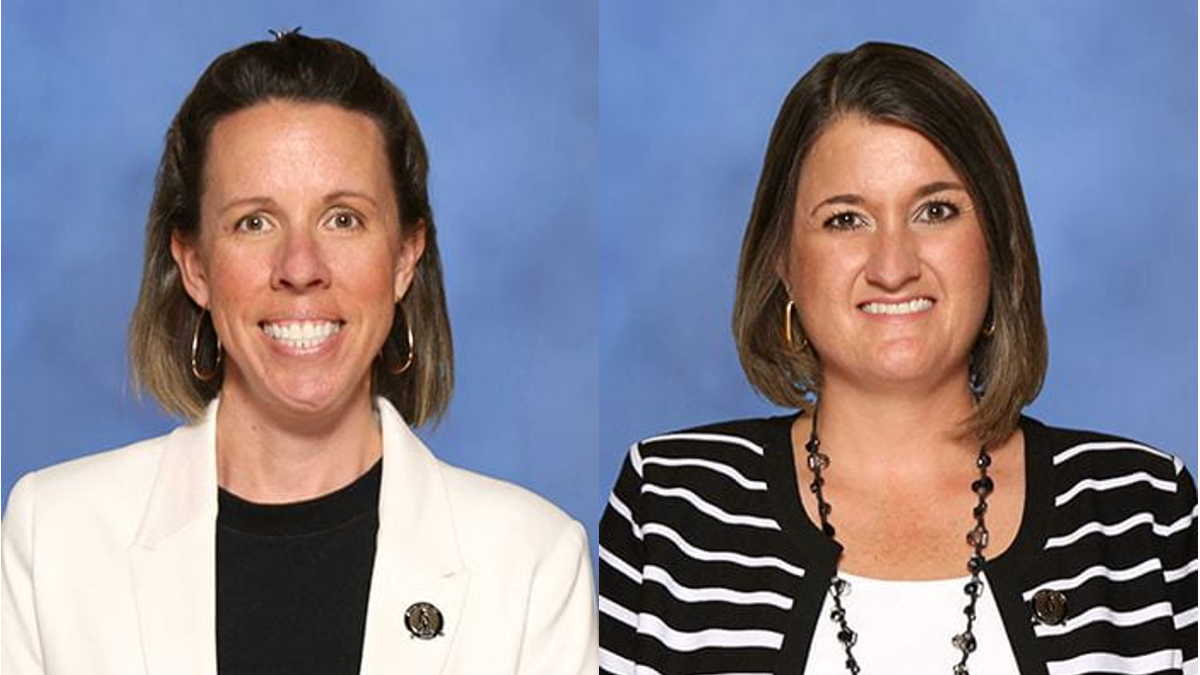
x,y
560,632
20,649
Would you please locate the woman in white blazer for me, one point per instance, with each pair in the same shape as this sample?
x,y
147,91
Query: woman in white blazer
x,y
292,309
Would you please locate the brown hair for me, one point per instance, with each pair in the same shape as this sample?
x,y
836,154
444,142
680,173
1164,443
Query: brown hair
x,y
901,85
292,68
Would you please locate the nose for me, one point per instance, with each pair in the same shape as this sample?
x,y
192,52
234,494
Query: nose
x,y
300,264
894,260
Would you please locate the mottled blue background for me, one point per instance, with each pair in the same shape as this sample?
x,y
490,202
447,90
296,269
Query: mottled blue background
x,y
1098,100
506,94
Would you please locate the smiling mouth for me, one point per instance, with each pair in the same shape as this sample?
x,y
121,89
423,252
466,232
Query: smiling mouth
x,y
897,308
301,334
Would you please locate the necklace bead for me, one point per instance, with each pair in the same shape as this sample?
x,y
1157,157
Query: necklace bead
x,y
977,539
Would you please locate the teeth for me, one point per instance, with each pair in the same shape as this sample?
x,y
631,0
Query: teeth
x,y
910,307
302,334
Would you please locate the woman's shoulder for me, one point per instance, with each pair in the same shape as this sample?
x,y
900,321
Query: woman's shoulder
x,y
1084,451
744,450
752,434
486,494
101,472
714,467
112,485
1103,482
496,515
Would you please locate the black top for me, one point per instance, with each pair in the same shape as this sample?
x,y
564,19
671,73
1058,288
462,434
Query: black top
x,y
708,562
293,581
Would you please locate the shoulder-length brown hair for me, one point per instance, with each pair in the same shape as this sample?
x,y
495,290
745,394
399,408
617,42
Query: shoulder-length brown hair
x,y
901,85
291,68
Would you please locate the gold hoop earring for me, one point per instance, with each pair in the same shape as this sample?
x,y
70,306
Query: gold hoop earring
x,y
990,330
204,375
410,353
787,327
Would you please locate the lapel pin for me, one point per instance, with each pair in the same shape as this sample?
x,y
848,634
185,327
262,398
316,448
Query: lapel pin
x,y
423,620
1050,607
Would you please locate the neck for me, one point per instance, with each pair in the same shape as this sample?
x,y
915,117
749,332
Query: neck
x,y
899,432
267,457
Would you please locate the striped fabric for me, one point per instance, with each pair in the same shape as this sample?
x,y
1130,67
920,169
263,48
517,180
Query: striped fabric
x,y
708,564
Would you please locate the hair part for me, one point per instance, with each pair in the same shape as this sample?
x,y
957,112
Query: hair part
x,y
297,68
899,85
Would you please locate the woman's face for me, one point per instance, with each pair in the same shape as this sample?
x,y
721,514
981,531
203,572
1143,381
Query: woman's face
x,y
888,266
300,257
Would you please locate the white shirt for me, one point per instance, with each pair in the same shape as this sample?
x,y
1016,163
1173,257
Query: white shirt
x,y
906,626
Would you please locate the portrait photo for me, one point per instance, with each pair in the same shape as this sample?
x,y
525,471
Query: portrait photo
x,y
1102,130
898,337
507,102
322,280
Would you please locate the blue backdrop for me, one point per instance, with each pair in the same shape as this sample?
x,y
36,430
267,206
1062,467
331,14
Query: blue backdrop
x,y
506,94
1098,100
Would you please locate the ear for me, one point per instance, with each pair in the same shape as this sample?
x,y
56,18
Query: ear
x,y
412,247
191,268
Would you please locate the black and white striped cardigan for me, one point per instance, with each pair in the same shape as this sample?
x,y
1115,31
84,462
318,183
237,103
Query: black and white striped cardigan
x,y
709,565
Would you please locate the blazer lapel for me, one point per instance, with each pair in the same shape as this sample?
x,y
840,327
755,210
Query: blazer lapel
x,y
173,557
417,558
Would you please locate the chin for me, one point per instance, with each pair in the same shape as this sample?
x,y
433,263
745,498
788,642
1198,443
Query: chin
x,y
311,397
900,356
898,367
296,390
902,363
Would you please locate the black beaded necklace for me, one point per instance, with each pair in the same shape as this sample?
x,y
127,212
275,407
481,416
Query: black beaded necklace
x,y
977,539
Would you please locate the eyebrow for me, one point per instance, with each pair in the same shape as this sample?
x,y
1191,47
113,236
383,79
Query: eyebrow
x,y
342,194
923,191
244,201
262,200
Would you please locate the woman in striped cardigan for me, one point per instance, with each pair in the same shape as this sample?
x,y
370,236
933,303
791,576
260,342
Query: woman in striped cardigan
x,y
908,518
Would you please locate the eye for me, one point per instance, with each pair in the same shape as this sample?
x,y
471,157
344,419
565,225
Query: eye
x,y
345,220
252,223
846,220
936,212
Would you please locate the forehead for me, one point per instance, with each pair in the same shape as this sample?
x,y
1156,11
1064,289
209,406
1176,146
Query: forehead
x,y
285,143
857,155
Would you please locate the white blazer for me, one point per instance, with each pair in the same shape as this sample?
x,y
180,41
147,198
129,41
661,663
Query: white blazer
x,y
109,566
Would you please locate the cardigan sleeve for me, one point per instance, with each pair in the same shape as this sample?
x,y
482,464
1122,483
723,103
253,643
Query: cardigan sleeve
x,y
621,557
1179,564
20,650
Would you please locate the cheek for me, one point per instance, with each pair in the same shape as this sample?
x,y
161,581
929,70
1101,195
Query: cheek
x,y
822,276
234,276
962,265
369,275
967,258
